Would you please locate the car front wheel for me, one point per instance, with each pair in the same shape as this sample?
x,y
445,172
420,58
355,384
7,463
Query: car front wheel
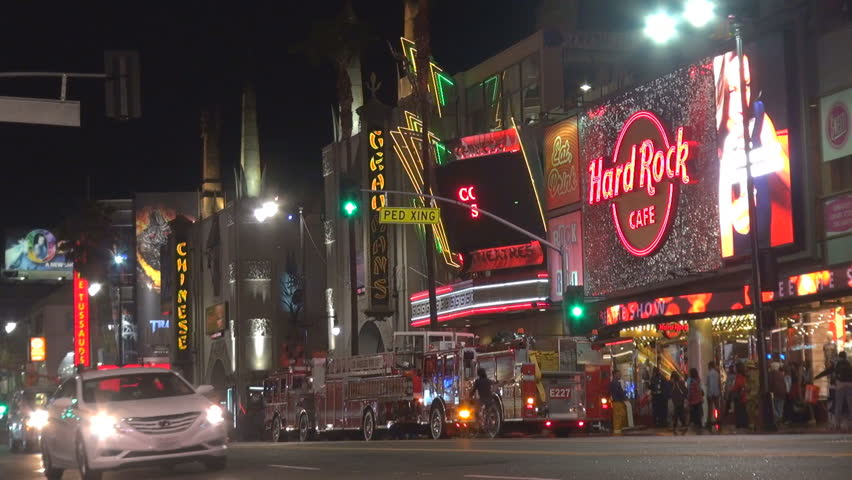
x,y
83,463
51,472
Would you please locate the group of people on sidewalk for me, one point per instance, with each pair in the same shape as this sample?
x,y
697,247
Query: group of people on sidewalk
x,y
793,396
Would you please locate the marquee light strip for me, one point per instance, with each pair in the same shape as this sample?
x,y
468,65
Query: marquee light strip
x,y
406,143
420,299
437,77
482,308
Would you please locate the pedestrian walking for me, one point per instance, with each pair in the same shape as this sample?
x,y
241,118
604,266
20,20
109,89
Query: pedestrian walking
x,y
679,394
752,394
659,402
778,389
695,398
714,394
619,410
843,391
738,396
729,384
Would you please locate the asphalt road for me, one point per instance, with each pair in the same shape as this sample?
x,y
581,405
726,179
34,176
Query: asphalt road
x,y
588,458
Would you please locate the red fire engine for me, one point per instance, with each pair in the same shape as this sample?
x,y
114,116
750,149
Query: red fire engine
x,y
425,384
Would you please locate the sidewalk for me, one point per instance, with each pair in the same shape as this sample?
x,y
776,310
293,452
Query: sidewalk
x,y
731,430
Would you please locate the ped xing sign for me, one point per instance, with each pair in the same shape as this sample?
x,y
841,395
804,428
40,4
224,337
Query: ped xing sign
x,y
413,215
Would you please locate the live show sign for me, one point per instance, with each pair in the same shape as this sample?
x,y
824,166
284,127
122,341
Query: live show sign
x,y
505,257
650,178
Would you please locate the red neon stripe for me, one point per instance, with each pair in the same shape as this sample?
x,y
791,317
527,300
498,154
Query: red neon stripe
x,y
478,311
543,275
422,295
619,342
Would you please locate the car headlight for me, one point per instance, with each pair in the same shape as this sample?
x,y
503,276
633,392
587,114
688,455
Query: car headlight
x,y
102,425
215,415
37,420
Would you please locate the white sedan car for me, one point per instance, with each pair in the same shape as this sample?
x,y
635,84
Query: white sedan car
x,y
111,419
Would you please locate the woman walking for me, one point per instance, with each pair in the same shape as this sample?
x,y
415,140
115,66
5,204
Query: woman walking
x,y
738,395
695,398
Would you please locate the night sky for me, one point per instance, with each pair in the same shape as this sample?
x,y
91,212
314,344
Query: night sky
x,y
195,54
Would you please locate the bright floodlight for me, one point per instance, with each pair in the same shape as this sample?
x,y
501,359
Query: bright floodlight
x,y
660,27
94,288
267,210
335,331
585,87
118,259
10,327
698,12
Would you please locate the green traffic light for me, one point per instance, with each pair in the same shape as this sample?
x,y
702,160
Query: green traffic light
x,y
350,208
3,409
576,311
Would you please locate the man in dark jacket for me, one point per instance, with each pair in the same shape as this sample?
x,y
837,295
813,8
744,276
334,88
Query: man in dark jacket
x,y
659,402
778,389
843,393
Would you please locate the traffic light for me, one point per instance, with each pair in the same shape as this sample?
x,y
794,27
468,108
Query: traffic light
x,y
122,84
349,198
576,312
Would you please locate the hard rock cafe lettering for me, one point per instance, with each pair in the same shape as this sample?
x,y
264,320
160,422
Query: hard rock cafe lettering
x,y
642,181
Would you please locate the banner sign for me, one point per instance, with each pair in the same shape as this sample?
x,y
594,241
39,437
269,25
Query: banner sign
x,y
505,257
82,350
38,349
835,125
378,251
182,311
837,212
562,164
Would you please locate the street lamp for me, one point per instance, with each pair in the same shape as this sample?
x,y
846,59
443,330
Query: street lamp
x,y
266,210
585,87
118,259
10,327
660,27
698,12
94,288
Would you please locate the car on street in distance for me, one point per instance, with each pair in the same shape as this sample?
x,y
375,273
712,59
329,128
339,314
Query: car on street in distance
x,y
27,417
102,420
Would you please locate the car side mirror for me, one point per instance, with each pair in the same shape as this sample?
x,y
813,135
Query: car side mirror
x,y
204,389
62,403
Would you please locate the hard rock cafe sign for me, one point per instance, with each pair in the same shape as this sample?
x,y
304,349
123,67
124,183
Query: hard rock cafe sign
x,y
642,181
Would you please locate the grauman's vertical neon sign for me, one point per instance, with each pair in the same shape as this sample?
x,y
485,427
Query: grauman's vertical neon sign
x,y
652,164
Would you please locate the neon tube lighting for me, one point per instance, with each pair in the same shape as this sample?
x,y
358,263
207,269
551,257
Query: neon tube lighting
x,y
532,180
477,306
478,287
477,311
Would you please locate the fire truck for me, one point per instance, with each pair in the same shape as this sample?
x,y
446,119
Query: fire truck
x,y
424,385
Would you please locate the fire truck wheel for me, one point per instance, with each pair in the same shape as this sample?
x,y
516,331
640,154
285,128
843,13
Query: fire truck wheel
x,y
276,430
369,425
305,431
436,423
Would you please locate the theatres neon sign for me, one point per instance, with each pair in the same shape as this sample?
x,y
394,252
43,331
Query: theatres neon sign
x,y
651,165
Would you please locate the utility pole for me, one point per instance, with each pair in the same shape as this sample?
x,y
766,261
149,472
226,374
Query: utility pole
x,y
421,33
756,285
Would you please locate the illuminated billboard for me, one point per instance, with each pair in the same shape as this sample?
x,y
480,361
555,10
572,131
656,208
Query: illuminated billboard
x,y
650,182
766,93
562,164
36,249
491,172
216,319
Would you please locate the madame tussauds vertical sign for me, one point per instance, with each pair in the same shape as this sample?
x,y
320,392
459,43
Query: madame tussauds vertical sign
x,y
642,182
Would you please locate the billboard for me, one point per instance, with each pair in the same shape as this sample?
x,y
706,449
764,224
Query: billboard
x,y
153,213
36,249
500,183
766,94
38,349
216,319
834,125
562,164
650,177
565,231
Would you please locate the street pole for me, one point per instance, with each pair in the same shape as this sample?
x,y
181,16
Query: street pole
x,y
353,289
303,277
756,286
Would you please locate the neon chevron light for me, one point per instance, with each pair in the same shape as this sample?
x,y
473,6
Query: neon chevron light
x,y
438,80
407,143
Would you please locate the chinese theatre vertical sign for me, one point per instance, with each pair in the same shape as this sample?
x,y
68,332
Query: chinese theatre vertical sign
x,y
562,164
182,311
82,348
378,249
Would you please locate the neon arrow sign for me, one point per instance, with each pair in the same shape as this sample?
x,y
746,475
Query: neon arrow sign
x,y
651,165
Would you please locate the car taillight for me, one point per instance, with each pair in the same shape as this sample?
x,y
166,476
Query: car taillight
x,y
548,424
581,424
604,403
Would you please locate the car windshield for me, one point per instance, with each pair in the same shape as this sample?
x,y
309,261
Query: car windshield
x,y
139,386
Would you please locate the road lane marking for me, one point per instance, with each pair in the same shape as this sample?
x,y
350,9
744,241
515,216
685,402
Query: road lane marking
x,y
508,478
577,453
293,467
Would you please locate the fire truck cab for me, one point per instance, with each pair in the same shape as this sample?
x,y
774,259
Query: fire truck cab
x,y
288,403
